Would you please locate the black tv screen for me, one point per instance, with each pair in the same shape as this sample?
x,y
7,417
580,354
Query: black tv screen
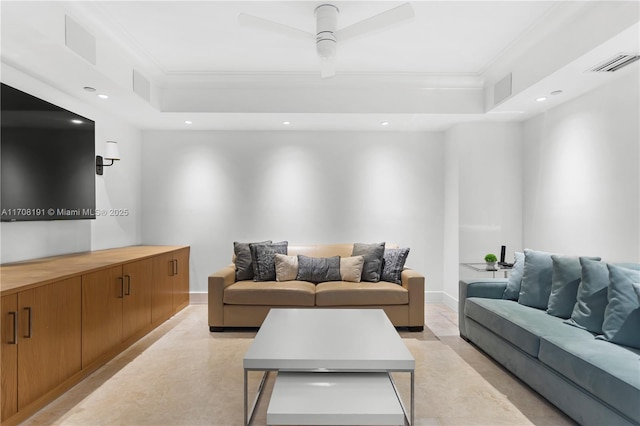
x,y
47,160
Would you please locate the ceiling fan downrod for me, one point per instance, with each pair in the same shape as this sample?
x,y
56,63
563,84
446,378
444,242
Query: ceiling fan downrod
x,y
326,27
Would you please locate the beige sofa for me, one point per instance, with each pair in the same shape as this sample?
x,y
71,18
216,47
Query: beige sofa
x,y
246,303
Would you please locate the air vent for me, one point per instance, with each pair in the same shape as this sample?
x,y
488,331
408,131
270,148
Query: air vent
x,y
615,63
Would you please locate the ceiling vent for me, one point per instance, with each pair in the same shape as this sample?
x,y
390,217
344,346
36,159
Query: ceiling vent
x,y
615,63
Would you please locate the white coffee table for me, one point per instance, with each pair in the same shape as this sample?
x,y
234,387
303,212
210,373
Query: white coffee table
x,y
351,341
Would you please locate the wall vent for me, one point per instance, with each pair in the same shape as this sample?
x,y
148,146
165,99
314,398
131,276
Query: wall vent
x,y
615,63
502,90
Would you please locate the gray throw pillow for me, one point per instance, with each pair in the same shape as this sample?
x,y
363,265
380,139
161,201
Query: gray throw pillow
x,y
512,291
244,266
393,262
565,280
373,255
591,299
621,323
263,259
536,279
318,269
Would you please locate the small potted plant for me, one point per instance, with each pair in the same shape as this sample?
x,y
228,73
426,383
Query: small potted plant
x,y
491,260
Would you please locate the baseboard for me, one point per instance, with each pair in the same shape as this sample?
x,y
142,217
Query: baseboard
x,y
450,301
441,298
200,298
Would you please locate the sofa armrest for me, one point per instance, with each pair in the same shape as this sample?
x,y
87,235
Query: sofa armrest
x,y
218,281
414,282
489,288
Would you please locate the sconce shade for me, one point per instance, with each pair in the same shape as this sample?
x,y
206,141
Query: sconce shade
x,y
111,151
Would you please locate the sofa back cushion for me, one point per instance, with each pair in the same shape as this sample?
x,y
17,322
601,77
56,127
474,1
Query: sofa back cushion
x,y
325,250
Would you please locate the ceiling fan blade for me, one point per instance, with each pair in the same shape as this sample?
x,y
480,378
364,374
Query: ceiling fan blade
x,y
274,27
327,67
377,22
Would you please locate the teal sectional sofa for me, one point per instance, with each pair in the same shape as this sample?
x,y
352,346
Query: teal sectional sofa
x,y
593,381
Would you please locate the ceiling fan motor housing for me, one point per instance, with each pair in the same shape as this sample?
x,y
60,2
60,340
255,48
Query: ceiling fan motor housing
x,y
326,27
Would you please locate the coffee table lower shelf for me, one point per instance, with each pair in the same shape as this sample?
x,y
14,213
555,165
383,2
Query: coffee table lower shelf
x,y
319,398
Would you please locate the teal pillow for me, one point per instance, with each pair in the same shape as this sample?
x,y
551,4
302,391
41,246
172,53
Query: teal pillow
x,y
565,280
591,300
622,315
512,291
536,279
636,287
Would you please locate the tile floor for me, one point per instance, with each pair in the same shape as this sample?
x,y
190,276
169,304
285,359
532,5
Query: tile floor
x,y
180,374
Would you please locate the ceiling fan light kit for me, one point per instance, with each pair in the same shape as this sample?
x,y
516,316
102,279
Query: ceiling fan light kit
x,y
327,34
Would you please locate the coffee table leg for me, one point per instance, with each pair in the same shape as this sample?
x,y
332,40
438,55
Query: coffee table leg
x,y
248,414
413,401
246,402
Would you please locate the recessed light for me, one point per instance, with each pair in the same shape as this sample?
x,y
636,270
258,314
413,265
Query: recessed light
x,y
103,96
89,88
76,121
384,123
286,123
541,99
556,92
188,122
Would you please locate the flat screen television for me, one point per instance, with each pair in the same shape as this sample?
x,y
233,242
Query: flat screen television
x,y
47,160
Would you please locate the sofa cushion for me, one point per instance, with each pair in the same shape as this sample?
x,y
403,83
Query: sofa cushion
x,y
608,371
351,268
518,324
244,267
622,315
263,259
340,293
536,279
373,255
318,269
588,312
393,263
512,292
565,280
270,293
286,267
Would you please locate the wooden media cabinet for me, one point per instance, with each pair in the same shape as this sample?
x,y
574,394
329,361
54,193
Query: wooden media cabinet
x,y
63,317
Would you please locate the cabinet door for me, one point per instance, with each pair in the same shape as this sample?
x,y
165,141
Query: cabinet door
x,y
181,279
162,287
102,295
137,297
49,340
9,354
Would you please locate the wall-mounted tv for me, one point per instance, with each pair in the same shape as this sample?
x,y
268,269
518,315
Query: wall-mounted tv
x,y
47,160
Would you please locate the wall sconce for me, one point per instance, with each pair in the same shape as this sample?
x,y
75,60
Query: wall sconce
x,y
110,153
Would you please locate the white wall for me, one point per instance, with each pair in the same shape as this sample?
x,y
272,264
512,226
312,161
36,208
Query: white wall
x,y
119,187
483,198
208,189
581,178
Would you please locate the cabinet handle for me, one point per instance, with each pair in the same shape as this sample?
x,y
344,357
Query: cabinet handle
x,y
171,272
14,341
128,292
30,329
121,296
175,261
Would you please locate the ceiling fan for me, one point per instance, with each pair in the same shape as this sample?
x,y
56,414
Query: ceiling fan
x,y
327,33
